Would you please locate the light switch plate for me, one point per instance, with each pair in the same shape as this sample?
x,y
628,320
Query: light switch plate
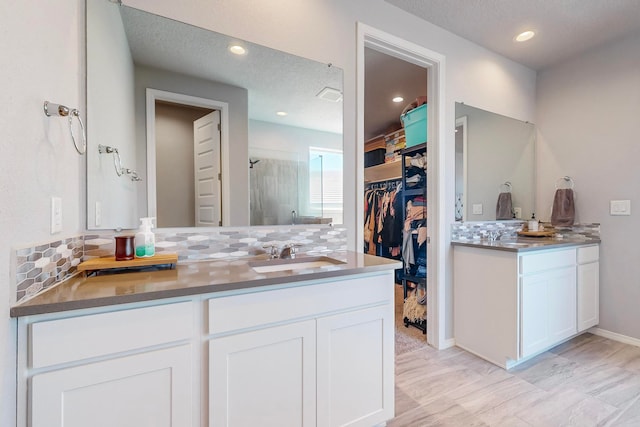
x,y
477,209
56,215
620,207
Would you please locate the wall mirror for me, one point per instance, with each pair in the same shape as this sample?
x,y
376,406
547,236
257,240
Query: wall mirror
x,y
182,129
494,154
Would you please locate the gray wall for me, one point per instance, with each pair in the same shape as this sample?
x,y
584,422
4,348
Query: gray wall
x,y
175,189
237,99
588,128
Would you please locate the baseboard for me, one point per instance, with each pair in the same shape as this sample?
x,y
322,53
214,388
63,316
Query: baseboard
x,y
615,336
448,344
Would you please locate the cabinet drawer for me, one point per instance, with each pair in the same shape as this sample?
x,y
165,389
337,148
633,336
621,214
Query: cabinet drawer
x,y
82,337
588,254
547,261
262,308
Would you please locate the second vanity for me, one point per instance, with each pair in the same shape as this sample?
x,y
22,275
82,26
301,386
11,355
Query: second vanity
x,y
212,343
515,299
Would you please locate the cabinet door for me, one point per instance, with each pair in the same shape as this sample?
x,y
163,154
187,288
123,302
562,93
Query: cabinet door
x,y
548,309
355,368
151,389
264,377
588,295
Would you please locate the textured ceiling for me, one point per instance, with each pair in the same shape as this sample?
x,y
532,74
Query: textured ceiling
x,y
275,81
564,27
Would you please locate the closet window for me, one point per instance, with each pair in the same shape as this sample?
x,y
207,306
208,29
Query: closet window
x,y
325,183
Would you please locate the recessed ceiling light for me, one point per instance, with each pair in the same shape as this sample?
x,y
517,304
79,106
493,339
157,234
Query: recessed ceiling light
x,y
524,36
281,113
398,99
237,49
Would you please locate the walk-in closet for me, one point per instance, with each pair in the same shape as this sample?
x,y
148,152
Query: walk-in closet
x,y
395,177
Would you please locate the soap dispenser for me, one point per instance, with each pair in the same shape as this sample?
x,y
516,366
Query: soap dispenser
x,y
533,223
145,240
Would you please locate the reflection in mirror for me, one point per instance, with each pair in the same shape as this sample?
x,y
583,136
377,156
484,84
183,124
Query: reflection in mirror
x,y
494,154
151,79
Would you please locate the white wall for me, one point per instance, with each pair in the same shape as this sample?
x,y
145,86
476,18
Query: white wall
x,y
42,49
588,128
43,59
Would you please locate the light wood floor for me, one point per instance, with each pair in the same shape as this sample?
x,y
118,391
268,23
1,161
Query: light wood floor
x,y
588,381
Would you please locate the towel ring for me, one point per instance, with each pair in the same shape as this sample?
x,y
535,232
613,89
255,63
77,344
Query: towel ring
x,y
506,185
51,109
565,179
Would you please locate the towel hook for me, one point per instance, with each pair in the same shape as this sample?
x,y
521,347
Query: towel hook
x,y
508,186
566,179
117,162
51,109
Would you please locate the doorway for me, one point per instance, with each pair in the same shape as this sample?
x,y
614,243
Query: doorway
x,y
433,62
216,124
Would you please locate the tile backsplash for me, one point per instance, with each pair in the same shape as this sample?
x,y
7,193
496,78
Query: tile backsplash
x,y
478,230
40,267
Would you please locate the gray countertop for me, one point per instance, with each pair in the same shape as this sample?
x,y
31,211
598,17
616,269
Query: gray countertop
x,y
192,278
526,244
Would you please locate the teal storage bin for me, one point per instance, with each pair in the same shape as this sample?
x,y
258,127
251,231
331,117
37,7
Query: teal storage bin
x,y
415,125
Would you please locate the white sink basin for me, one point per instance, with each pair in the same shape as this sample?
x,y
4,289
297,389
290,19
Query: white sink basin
x,y
273,265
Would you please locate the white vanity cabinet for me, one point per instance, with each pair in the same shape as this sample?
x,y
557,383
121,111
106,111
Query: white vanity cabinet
x,y
588,272
320,353
131,368
510,306
303,357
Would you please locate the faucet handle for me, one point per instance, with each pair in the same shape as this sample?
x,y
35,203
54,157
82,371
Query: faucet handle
x,y
273,250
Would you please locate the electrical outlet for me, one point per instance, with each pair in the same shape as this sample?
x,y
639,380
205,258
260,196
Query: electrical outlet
x,y
477,209
517,212
56,215
98,214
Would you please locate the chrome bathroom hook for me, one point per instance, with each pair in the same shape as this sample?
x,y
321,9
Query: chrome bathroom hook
x,y
51,109
117,163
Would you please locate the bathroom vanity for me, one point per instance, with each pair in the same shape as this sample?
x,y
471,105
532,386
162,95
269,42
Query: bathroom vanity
x,y
212,343
516,299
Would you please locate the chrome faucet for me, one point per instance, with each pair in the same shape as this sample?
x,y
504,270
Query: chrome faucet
x,y
494,235
288,251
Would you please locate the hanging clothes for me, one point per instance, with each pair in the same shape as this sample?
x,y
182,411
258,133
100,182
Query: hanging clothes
x,y
383,219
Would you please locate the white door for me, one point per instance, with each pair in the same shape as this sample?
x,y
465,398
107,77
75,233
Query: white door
x,y
151,389
206,152
265,377
355,368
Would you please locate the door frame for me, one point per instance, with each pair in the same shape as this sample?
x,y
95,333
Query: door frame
x,y
461,122
154,95
434,62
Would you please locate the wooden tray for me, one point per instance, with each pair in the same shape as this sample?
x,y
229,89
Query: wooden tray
x,y
107,263
544,233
